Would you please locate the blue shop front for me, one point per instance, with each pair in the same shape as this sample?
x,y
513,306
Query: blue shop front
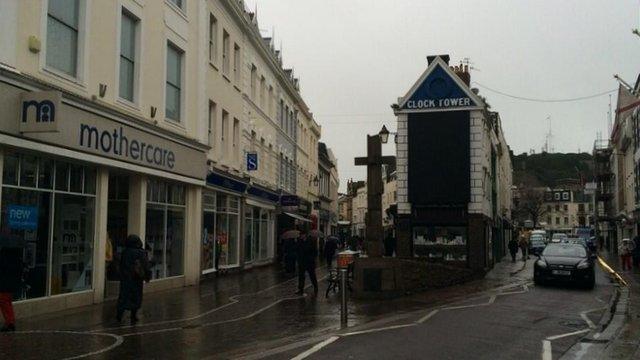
x,y
238,223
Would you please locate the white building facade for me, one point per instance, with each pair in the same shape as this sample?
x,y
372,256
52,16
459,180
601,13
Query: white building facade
x,y
158,118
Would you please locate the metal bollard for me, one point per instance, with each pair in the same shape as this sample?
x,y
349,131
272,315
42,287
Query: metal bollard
x,y
343,294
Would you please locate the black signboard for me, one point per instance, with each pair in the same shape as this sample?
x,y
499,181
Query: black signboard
x,y
263,193
289,200
439,150
226,182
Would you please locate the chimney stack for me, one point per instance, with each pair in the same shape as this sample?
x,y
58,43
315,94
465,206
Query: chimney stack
x,y
463,73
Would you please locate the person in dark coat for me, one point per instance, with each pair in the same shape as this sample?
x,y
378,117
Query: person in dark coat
x,y
307,254
11,268
513,249
636,252
389,244
134,269
524,246
330,247
290,255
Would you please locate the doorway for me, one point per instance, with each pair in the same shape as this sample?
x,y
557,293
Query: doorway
x,y
117,230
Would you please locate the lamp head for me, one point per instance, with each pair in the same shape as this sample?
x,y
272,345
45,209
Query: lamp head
x,y
384,134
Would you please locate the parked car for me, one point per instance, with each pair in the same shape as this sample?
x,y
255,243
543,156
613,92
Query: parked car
x,y
576,240
536,244
565,262
558,237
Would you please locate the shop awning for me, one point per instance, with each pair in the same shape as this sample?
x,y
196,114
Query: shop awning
x,y
298,217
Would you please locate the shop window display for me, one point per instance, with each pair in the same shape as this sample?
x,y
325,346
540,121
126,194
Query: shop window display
x,y
207,254
248,234
220,232
72,244
447,243
50,221
165,228
258,233
264,235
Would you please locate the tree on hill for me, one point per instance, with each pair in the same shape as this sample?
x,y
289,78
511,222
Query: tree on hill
x,y
531,205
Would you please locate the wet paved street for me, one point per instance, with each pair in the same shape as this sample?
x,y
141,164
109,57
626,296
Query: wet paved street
x,y
256,315
509,323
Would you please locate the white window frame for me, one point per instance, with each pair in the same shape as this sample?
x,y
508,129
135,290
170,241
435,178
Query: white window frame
x,y
235,139
182,9
165,206
134,13
213,38
226,48
212,117
236,63
82,48
183,59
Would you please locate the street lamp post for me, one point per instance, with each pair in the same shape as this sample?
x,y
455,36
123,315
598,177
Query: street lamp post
x,y
374,161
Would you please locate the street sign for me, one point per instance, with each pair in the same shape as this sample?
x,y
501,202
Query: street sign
x,y
252,161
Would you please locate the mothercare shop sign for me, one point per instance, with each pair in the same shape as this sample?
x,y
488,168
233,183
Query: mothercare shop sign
x,y
89,132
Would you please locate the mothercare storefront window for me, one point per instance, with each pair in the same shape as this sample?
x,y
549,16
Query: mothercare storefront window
x,y
165,228
258,233
220,230
47,212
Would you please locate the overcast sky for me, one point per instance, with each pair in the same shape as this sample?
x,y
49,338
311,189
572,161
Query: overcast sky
x,y
355,58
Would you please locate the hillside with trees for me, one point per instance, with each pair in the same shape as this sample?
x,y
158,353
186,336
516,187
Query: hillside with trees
x,y
546,169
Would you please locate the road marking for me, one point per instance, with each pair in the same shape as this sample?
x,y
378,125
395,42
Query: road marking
x,y
427,317
546,350
491,301
525,289
556,337
378,329
546,344
118,340
611,271
586,319
316,348
257,312
233,300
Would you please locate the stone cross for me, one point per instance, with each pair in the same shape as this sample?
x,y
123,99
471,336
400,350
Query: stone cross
x,y
374,161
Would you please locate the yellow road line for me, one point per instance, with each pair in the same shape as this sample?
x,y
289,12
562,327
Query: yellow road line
x,y
611,271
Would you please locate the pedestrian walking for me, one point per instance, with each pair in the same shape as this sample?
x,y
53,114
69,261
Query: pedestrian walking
x,y
330,247
307,253
10,280
134,270
625,250
513,249
524,246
